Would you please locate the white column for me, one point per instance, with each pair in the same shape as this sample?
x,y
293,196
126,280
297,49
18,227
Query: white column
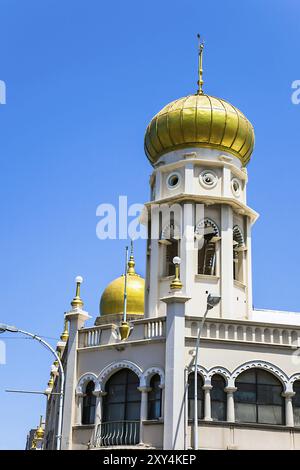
x,y
152,282
189,178
248,280
162,407
158,184
187,248
98,415
144,410
226,262
76,319
174,370
79,399
289,412
207,402
226,181
230,404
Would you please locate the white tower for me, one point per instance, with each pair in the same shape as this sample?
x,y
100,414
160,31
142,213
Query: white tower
x,y
199,146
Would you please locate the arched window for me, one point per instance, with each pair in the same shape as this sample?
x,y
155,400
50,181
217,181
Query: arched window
x,y
89,404
154,398
170,237
123,398
206,231
191,388
238,253
296,403
258,398
218,398
121,409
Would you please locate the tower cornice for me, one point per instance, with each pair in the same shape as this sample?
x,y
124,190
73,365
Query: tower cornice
x,y
238,206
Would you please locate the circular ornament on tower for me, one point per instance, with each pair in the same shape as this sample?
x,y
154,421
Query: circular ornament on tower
x,y
173,180
236,187
208,179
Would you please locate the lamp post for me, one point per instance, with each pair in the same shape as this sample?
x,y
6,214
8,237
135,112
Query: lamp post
x,y
14,329
212,301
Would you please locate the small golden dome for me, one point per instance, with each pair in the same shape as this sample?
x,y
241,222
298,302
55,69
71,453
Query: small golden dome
x,y
112,300
199,121
39,432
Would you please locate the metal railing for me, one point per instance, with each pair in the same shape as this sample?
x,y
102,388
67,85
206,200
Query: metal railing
x,y
117,433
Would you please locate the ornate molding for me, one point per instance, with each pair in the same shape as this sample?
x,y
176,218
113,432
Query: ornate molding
x,y
201,370
219,370
171,231
149,373
84,379
260,365
292,380
206,222
109,370
238,235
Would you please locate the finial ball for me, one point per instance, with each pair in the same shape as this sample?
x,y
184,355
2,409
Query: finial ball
x,y
176,260
79,279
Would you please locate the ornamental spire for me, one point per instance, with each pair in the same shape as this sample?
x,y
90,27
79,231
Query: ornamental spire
x,y
131,262
77,301
200,65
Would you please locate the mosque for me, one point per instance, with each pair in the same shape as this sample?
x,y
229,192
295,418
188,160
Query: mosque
x,y
140,377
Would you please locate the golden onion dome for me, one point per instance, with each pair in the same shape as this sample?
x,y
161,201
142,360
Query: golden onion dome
x,y
199,120
112,300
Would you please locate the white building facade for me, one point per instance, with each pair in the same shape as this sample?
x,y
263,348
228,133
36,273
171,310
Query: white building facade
x,y
139,391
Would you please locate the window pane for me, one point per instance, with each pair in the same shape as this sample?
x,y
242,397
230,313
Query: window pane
x,y
297,416
191,388
219,411
247,377
116,393
246,393
118,378
133,411
154,409
269,394
114,412
132,378
296,398
217,391
133,394
245,413
122,401
264,377
191,409
269,414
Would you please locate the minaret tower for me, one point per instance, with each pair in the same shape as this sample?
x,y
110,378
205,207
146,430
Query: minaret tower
x,y
199,146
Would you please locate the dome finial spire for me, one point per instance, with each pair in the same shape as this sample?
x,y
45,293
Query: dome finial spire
x,y
131,262
200,65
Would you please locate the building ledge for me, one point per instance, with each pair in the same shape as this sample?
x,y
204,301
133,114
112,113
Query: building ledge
x,y
261,427
206,277
84,426
153,421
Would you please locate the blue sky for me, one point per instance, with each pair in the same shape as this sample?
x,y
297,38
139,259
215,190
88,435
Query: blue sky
x,y
83,79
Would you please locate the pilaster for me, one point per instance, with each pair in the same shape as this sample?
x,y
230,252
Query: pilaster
x,y
174,370
76,318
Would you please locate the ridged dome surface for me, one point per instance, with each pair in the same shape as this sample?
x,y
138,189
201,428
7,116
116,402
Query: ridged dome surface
x,y
199,121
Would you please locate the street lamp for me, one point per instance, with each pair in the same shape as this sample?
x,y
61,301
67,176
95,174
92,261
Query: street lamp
x,y
212,301
14,329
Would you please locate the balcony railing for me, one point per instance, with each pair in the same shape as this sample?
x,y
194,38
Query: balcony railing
x,y
117,433
145,329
